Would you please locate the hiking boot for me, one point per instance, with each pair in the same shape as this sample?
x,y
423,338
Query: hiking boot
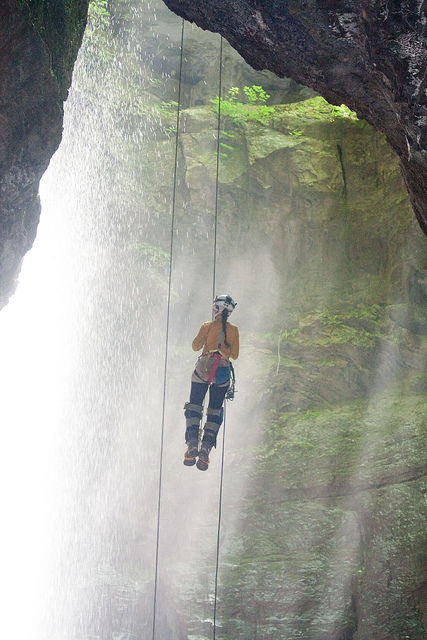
x,y
191,453
203,461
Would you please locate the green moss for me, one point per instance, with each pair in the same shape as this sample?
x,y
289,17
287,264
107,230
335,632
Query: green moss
x,y
60,25
359,438
361,327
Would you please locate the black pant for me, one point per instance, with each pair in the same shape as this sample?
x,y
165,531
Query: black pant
x,y
216,394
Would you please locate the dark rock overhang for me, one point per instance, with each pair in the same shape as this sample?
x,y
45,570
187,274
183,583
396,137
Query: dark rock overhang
x,y
368,54
39,42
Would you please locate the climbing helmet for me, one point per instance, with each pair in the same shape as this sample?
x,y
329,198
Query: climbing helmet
x,y
223,302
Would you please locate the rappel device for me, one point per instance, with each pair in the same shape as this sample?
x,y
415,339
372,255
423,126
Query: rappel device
x,y
232,388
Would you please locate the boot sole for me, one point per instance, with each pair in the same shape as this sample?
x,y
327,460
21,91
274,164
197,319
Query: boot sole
x,y
190,456
202,465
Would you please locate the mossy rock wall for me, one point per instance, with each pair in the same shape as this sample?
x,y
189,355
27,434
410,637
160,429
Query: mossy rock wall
x,y
322,532
331,543
323,200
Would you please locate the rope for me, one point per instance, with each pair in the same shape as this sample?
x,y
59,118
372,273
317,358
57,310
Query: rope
x,y
167,334
167,331
217,169
213,296
219,523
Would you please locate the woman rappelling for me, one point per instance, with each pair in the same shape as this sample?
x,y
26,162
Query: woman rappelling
x,y
219,340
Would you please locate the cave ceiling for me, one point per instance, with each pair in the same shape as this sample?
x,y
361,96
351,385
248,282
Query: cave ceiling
x,y
370,55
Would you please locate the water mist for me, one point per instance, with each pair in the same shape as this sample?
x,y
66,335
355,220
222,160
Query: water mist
x,y
83,343
86,338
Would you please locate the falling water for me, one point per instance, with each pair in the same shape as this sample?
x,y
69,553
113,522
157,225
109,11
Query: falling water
x,y
84,345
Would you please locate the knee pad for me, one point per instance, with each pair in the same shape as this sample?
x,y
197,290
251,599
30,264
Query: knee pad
x,y
192,432
213,423
193,411
215,415
209,436
193,415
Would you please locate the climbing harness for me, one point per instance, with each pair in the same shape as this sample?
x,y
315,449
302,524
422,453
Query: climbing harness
x,y
217,357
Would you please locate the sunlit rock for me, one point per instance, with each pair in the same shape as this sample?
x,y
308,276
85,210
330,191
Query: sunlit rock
x,y
370,56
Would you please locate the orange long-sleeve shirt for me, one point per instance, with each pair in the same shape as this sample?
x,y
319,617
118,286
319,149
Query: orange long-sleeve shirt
x,y
209,335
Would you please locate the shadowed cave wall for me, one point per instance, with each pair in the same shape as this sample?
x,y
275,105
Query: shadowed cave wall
x,y
366,54
39,42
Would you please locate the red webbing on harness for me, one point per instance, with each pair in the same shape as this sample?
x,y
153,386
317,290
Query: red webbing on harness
x,y
217,357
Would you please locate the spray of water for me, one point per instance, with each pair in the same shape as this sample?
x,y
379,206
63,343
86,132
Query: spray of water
x,y
83,353
83,344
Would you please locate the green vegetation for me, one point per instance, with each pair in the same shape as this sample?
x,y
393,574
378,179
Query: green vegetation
x,y
318,108
153,257
360,326
347,327
254,109
98,16
168,109
97,34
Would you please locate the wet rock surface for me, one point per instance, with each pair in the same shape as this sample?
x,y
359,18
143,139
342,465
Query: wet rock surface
x,y
329,541
38,46
368,55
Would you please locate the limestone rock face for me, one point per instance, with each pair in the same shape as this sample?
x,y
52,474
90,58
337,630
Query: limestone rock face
x,y
330,535
38,46
366,54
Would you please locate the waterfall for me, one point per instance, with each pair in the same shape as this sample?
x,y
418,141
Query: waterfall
x,y
94,368
83,357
